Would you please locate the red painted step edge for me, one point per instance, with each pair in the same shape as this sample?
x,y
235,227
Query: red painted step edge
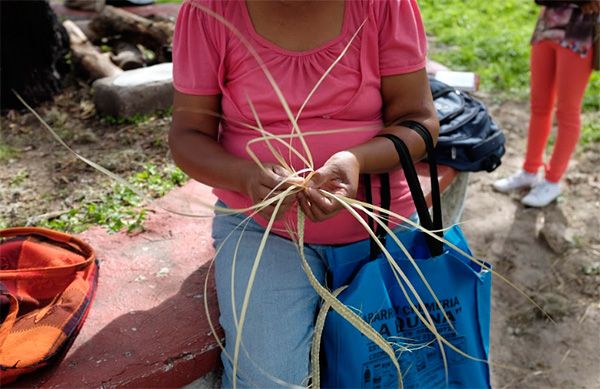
x,y
147,326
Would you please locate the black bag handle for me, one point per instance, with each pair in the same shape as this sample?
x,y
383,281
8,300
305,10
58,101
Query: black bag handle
x,y
436,200
429,223
386,202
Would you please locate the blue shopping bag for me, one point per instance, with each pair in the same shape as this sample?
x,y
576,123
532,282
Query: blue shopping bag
x,y
462,286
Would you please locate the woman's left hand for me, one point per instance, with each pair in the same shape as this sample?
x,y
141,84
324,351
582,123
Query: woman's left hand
x,y
339,176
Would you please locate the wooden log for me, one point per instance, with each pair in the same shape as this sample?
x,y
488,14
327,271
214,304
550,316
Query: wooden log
x,y
133,28
127,56
97,64
84,26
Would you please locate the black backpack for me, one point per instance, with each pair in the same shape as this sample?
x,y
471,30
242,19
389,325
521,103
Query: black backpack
x,y
469,139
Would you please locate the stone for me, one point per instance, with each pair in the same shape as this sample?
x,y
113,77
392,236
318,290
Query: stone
x,y
139,91
592,268
554,305
558,237
555,230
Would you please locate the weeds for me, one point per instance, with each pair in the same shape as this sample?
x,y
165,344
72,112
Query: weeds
x,y
121,208
137,119
19,177
590,132
7,152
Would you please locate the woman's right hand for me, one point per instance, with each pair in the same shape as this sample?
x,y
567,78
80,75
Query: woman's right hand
x,y
260,184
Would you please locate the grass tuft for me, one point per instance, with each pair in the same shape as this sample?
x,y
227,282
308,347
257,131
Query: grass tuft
x,y
590,132
121,208
7,152
138,118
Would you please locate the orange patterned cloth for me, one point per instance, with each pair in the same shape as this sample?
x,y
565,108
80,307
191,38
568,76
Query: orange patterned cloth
x,y
47,283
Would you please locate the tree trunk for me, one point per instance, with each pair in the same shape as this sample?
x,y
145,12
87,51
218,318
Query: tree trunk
x,y
34,46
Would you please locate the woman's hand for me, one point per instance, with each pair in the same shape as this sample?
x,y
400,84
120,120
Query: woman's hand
x,y
260,185
339,175
591,7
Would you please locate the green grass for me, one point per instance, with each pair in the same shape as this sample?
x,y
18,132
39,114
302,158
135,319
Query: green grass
x,y
121,208
490,38
590,133
7,152
19,177
138,118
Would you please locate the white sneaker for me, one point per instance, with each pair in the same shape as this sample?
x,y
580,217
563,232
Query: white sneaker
x,y
542,194
519,180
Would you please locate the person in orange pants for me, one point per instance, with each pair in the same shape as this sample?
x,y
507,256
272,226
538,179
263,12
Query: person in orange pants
x,y
561,64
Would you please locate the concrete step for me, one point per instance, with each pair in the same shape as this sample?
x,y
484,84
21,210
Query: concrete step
x,y
147,326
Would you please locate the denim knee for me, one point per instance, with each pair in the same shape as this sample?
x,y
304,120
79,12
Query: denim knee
x,y
278,327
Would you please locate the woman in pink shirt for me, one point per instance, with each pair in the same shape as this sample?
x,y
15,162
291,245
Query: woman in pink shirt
x,y
380,81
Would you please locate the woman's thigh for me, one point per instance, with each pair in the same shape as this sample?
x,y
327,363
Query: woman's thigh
x,y
278,327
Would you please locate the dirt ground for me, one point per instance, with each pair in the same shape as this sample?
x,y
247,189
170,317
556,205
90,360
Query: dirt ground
x,y
41,179
552,255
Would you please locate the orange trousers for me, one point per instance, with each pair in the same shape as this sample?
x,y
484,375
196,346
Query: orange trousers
x,y
558,75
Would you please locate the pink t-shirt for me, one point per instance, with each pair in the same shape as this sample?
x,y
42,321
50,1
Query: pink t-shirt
x,y
208,59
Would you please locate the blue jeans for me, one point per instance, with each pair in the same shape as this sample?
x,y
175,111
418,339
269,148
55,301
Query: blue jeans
x,y
278,328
